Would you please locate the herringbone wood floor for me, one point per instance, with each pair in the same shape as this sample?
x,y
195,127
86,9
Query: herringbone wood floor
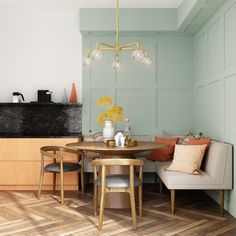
x,y
196,214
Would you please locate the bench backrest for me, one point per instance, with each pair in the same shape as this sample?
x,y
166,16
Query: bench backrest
x,y
218,162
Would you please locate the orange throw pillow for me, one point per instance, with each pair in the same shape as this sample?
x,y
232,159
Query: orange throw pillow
x,y
164,153
200,141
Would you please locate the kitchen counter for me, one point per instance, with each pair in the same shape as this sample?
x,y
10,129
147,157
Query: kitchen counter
x,y
39,104
40,120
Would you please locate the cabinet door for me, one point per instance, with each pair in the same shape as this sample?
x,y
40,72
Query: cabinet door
x,y
20,163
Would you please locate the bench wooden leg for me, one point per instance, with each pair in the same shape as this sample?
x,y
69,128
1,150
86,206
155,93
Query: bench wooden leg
x,y
222,193
172,201
161,185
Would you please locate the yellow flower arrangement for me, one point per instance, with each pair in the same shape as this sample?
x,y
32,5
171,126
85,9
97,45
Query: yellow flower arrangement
x,y
113,113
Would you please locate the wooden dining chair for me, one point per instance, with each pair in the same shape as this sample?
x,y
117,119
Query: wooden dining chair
x,y
117,183
58,166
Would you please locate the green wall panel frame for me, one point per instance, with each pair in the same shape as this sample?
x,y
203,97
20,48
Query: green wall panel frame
x,y
146,93
215,96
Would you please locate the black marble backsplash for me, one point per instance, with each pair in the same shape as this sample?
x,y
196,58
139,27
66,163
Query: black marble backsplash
x,y
40,120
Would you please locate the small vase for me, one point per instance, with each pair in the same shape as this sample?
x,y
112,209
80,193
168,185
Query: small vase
x,y
73,96
108,131
64,97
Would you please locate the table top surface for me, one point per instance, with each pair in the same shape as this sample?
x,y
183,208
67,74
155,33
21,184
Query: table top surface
x,y
102,148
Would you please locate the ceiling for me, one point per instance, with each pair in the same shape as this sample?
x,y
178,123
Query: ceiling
x,y
95,3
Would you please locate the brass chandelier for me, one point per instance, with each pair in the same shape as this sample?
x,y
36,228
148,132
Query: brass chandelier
x,y
138,54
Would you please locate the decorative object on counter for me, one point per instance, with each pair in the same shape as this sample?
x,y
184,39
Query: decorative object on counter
x,y
73,96
120,139
64,97
17,97
111,115
44,96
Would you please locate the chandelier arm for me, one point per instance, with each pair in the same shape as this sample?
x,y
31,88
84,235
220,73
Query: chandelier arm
x,y
145,51
127,49
136,44
108,49
104,44
89,52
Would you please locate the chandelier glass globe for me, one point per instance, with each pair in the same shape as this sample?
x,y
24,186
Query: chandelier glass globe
x,y
96,55
137,55
146,61
116,65
87,61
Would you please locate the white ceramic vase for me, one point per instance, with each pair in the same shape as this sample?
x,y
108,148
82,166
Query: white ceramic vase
x,y
108,131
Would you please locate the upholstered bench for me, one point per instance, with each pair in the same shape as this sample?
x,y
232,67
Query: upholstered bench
x,y
216,173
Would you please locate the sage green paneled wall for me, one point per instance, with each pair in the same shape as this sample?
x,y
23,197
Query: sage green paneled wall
x,y
156,98
215,82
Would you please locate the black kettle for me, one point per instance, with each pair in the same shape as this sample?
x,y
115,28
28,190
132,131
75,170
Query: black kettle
x,y
17,97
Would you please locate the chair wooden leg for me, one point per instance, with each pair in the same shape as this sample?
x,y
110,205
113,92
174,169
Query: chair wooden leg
x,y
172,200
54,183
82,182
78,181
82,174
222,193
102,203
62,187
133,210
161,185
40,183
140,193
95,196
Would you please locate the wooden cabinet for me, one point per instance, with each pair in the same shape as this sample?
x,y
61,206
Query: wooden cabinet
x,y
20,163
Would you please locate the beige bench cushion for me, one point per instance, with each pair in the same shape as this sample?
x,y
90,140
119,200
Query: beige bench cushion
x,y
178,180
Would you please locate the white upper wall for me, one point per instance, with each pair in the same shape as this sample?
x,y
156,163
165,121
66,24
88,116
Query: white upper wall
x,y
40,48
94,3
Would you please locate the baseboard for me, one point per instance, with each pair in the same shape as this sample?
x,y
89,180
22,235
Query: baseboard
x,y
229,206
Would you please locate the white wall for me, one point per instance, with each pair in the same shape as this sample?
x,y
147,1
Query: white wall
x,y
40,48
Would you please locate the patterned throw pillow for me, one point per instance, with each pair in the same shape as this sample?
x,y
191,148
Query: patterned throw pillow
x,y
181,137
92,138
98,136
189,137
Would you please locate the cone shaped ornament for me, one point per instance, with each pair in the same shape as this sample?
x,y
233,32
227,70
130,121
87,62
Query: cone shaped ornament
x,y
64,97
73,96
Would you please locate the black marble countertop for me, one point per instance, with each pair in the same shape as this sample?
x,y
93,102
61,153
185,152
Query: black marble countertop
x,y
38,136
39,104
40,120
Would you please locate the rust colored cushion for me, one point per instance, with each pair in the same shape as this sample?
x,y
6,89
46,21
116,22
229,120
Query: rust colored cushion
x,y
200,141
165,153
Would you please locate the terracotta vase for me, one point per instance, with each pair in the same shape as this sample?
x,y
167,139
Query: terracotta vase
x,y
73,96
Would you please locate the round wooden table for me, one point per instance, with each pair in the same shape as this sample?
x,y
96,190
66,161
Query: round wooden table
x,y
115,200
102,148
